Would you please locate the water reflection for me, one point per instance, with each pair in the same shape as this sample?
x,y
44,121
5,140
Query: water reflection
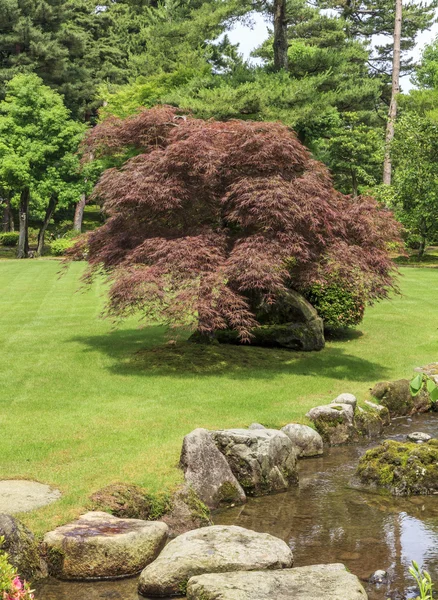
x,y
324,520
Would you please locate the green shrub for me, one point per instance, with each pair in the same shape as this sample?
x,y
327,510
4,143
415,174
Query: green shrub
x,y
9,239
60,246
336,306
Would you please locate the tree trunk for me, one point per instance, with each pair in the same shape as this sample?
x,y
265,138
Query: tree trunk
x,y
79,213
6,218
280,35
354,185
42,232
23,239
422,248
387,165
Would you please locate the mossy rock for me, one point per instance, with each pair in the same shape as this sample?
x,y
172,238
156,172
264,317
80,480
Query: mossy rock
x,y
22,548
397,398
368,424
403,469
188,512
291,322
129,501
182,511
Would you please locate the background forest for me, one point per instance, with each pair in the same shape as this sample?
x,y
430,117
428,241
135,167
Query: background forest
x,y
65,66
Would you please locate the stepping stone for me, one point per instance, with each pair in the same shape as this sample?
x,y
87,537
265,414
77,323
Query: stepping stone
x,y
211,550
328,582
19,495
99,546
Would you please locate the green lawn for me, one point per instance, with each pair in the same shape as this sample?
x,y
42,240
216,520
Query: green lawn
x,y
83,405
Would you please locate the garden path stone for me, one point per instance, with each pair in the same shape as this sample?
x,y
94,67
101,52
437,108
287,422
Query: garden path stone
x,y
19,495
328,582
207,471
99,545
211,550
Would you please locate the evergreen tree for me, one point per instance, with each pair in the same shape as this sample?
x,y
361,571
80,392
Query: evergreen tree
x,y
367,18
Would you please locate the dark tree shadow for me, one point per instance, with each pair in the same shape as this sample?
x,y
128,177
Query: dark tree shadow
x,y
145,352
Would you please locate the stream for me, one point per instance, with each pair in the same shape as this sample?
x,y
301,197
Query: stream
x,y
325,521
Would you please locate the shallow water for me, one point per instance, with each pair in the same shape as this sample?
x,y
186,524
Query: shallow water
x,y
324,520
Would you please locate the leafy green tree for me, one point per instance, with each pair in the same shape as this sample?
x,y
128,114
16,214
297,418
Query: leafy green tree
x,y
415,182
38,138
426,74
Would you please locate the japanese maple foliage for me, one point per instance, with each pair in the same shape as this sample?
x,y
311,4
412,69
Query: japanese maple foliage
x,y
209,220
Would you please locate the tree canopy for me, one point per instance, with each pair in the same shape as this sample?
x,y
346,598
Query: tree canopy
x,y
209,221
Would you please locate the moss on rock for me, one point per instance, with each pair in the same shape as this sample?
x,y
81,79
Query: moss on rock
x,y
397,398
368,424
403,469
129,501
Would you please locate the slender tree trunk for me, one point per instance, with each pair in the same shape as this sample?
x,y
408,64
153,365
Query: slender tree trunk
x,y
6,217
280,35
42,232
387,165
79,213
23,239
354,184
422,248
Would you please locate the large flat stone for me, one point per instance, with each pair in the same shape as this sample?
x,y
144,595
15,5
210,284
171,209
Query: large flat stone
x,y
99,545
19,495
211,550
318,582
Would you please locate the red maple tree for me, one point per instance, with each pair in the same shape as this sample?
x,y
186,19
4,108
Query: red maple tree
x,y
210,220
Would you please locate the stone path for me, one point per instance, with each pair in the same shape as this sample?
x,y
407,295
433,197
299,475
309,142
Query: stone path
x,y
17,495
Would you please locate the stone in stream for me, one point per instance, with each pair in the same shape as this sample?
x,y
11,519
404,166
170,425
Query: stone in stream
x,y
325,582
207,471
378,577
382,411
418,437
263,460
334,422
22,548
368,423
99,545
306,440
397,397
402,468
211,550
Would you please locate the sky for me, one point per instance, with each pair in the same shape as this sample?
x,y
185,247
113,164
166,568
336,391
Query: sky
x,y
249,38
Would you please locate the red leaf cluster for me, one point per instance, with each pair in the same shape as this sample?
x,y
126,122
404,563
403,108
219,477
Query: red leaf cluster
x,y
212,218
